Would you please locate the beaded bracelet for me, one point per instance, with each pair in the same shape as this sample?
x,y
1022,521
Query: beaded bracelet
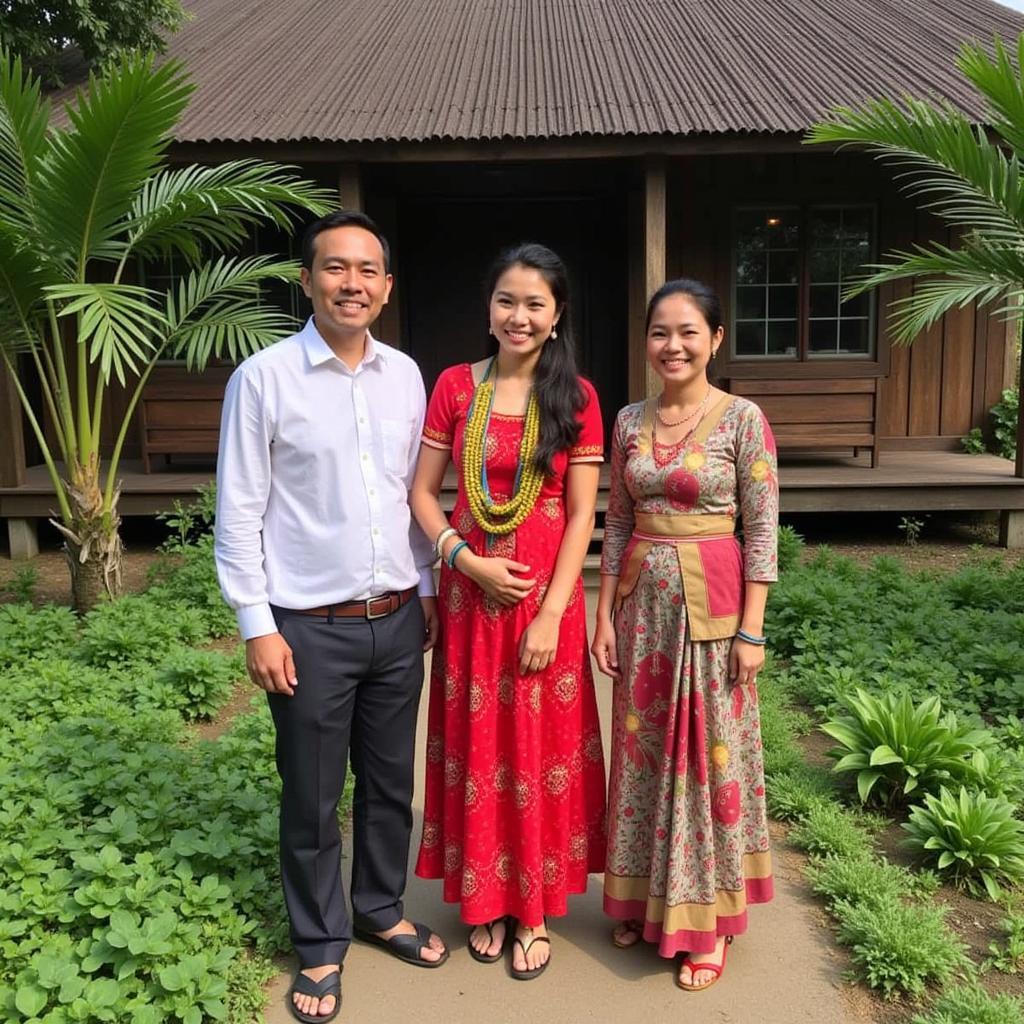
x,y
760,641
455,551
448,531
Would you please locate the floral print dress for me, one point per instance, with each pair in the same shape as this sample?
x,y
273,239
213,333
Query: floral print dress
x,y
514,801
687,826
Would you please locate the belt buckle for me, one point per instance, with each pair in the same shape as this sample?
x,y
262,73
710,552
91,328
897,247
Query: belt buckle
x,y
371,615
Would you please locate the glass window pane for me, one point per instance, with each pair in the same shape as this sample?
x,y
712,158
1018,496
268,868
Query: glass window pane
x,y
782,301
824,300
751,265
750,339
784,267
825,264
750,303
782,338
750,230
857,223
853,337
781,228
860,305
822,336
826,228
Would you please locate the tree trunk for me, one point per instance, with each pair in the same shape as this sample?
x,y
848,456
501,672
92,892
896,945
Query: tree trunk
x,y
92,541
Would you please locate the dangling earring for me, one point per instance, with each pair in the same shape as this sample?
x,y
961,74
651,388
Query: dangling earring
x,y
714,353
554,333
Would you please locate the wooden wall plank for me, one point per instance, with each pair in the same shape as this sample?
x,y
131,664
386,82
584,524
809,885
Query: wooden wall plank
x,y
925,380
958,345
12,451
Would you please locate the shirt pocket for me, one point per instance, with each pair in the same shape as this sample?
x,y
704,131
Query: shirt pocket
x,y
396,437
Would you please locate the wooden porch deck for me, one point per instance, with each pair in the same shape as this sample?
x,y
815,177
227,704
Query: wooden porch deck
x,y
905,481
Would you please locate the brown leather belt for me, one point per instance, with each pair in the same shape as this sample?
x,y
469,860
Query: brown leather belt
x,y
371,608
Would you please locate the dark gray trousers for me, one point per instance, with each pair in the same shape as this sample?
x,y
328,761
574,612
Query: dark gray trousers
x,y
358,691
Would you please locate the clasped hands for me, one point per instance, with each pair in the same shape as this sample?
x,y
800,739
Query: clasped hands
x,y
496,578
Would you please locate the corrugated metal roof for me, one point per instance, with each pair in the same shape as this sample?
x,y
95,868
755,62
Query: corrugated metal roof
x,y
417,70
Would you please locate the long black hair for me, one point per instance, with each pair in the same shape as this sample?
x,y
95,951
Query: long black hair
x,y
555,382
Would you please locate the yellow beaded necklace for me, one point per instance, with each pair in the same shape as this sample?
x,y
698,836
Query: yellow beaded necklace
x,y
499,518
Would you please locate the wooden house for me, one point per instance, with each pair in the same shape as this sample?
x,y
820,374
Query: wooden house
x,y
641,139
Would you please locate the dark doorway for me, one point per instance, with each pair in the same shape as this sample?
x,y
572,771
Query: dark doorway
x,y
446,244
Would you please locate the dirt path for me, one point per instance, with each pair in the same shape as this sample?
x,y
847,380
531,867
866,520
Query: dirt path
x,y
786,970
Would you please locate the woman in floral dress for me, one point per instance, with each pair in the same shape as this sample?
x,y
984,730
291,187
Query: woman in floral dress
x,y
679,628
515,788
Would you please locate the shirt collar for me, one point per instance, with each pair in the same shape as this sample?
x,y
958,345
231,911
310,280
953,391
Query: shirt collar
x,y
319,352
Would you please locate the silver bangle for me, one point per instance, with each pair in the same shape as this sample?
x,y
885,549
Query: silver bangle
x,y
448,531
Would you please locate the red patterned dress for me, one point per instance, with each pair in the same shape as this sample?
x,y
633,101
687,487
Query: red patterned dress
x,y
515,785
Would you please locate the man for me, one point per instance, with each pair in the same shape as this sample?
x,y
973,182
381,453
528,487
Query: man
x,y
317,551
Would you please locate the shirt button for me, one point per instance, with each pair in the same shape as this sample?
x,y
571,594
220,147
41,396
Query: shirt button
x,y
376,532
371,492
362,419
365,456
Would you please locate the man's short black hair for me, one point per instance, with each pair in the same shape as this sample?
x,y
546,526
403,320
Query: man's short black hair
x,y
342,219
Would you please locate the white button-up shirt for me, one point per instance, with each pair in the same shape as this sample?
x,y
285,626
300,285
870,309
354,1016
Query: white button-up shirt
x,y
313,477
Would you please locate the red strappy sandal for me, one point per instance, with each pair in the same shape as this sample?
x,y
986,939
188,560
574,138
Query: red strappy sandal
x,y
716,969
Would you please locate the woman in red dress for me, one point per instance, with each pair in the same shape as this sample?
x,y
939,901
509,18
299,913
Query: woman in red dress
x,y
515,802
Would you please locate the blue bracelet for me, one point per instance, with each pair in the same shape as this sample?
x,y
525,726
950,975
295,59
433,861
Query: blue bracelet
x,y
454,552
759,641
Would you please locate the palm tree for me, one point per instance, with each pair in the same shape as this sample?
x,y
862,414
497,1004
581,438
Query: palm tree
x,y
967,174
79,204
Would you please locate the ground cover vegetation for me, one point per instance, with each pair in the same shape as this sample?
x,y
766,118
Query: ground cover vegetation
x,y
85,198
917,679
138,865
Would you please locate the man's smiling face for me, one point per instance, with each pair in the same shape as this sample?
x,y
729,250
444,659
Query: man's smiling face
x,y
347,285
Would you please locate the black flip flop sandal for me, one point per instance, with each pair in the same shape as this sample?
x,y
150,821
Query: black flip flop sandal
x,y
483,958
405,947
306,986
536,972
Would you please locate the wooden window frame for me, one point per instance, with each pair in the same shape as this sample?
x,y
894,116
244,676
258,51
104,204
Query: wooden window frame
x,y
782,367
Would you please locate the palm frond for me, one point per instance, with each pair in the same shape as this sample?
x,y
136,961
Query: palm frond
x,y
119,323
22,283
1002,86
952,278
179,210
215,310
943,159
23,121
120,126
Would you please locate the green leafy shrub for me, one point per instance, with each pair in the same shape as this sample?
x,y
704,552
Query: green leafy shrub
x,y
896,747
830,829
199,681
1008,957
790,548
138,630
973,442
899,948
190,576
188,522
22,585
864,879
28,633
1004,423
971,837
972,1005
791,796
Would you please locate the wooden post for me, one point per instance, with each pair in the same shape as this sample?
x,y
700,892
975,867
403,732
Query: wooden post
x,y
350,187
647,268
